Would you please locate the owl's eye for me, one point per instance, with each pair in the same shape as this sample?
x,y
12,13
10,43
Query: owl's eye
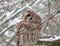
x,y
28,15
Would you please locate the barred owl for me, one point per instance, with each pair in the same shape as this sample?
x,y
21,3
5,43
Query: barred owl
x,y
30,25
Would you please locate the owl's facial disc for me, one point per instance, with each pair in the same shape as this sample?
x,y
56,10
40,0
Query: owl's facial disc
x,y
28,16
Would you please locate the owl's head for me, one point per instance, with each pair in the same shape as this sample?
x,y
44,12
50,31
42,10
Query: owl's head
x,y
32,17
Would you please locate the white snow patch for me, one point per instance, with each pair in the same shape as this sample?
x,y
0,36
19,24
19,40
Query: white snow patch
x,y
54,38
9,33
15,21
8,14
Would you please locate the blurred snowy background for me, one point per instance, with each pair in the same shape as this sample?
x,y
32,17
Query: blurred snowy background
x,y
11,13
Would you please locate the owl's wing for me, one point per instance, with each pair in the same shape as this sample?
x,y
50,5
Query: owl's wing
x,y
23,28
27,25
